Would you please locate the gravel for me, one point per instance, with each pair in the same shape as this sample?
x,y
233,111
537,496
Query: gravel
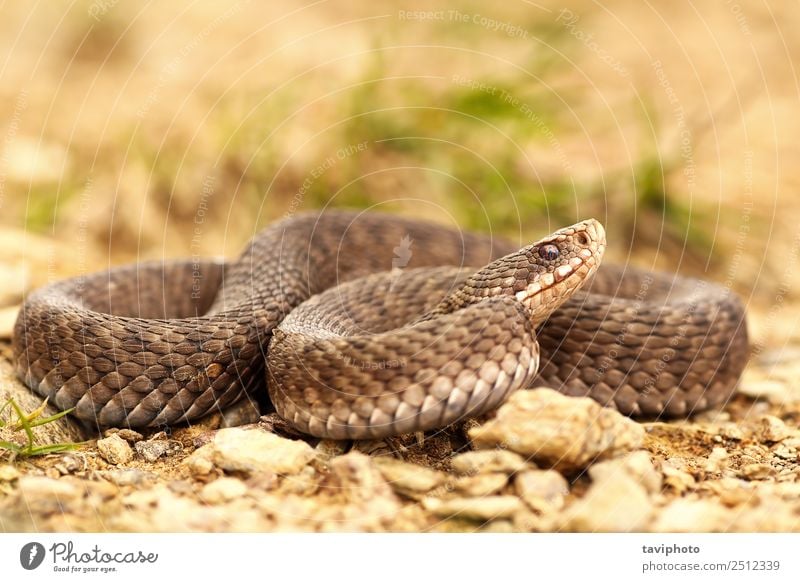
x,y
542,462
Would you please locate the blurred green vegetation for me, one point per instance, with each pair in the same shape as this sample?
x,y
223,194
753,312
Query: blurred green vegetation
x,y
513,134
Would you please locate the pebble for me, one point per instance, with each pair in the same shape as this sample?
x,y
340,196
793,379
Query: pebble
x,y
70,464
758,471
130,435
636,465
543,490
480,485
676,479
771,429
359,477
46,495
793,442
476,508
717,461
115,449
731,492
222,490
266,481
771,515
153,450
786,453
408,477
564,432
128,477
499,526
789,491
770,390
250,451
692,515
30,485
369,501
180,486
783,355
8,473
731,431
306,482
489,461
615,503
200,464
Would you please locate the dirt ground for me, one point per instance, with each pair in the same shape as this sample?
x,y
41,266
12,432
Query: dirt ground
x,y
737,469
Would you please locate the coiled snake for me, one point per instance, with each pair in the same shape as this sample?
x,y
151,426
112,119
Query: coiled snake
x,y
372,325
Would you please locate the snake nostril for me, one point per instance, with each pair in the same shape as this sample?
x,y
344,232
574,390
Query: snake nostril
x,y
582,239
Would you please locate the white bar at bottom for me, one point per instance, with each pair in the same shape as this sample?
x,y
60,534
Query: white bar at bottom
x,y
399,557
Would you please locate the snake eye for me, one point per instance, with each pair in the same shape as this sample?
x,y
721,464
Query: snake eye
x,y
548,252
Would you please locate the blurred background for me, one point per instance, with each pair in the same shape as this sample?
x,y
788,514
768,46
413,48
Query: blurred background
x,y
143,130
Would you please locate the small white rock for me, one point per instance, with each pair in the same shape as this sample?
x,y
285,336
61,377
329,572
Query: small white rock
x,y
478,508
564,432
771,429
222,490
250,451
115,449
770,390
543,491
617,503
758,471
488,461
480,485
677,479
8,473
152,450
409,477
199,464
717,461
636,465
45,495
693,515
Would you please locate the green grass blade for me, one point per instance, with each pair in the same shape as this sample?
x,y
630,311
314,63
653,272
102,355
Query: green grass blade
x,y
23,422
53,418
47,449
2,410
26,422
9,446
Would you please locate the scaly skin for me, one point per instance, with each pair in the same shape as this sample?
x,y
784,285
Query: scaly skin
x,y
332,378
157,344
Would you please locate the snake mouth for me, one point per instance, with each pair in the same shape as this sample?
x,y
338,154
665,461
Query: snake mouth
x,y
548,280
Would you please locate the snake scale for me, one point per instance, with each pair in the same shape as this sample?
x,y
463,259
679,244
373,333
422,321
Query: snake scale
x,y
364,325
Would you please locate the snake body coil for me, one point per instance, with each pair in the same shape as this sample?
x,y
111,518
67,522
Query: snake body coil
x,y
354,351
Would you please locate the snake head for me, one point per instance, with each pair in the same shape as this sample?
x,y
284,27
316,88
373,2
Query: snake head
x,y
549,271
541,276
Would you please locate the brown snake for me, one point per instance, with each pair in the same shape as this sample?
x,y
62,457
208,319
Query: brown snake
x,y
356,350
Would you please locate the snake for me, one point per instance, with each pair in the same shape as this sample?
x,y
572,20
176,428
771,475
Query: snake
x,y
363,325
